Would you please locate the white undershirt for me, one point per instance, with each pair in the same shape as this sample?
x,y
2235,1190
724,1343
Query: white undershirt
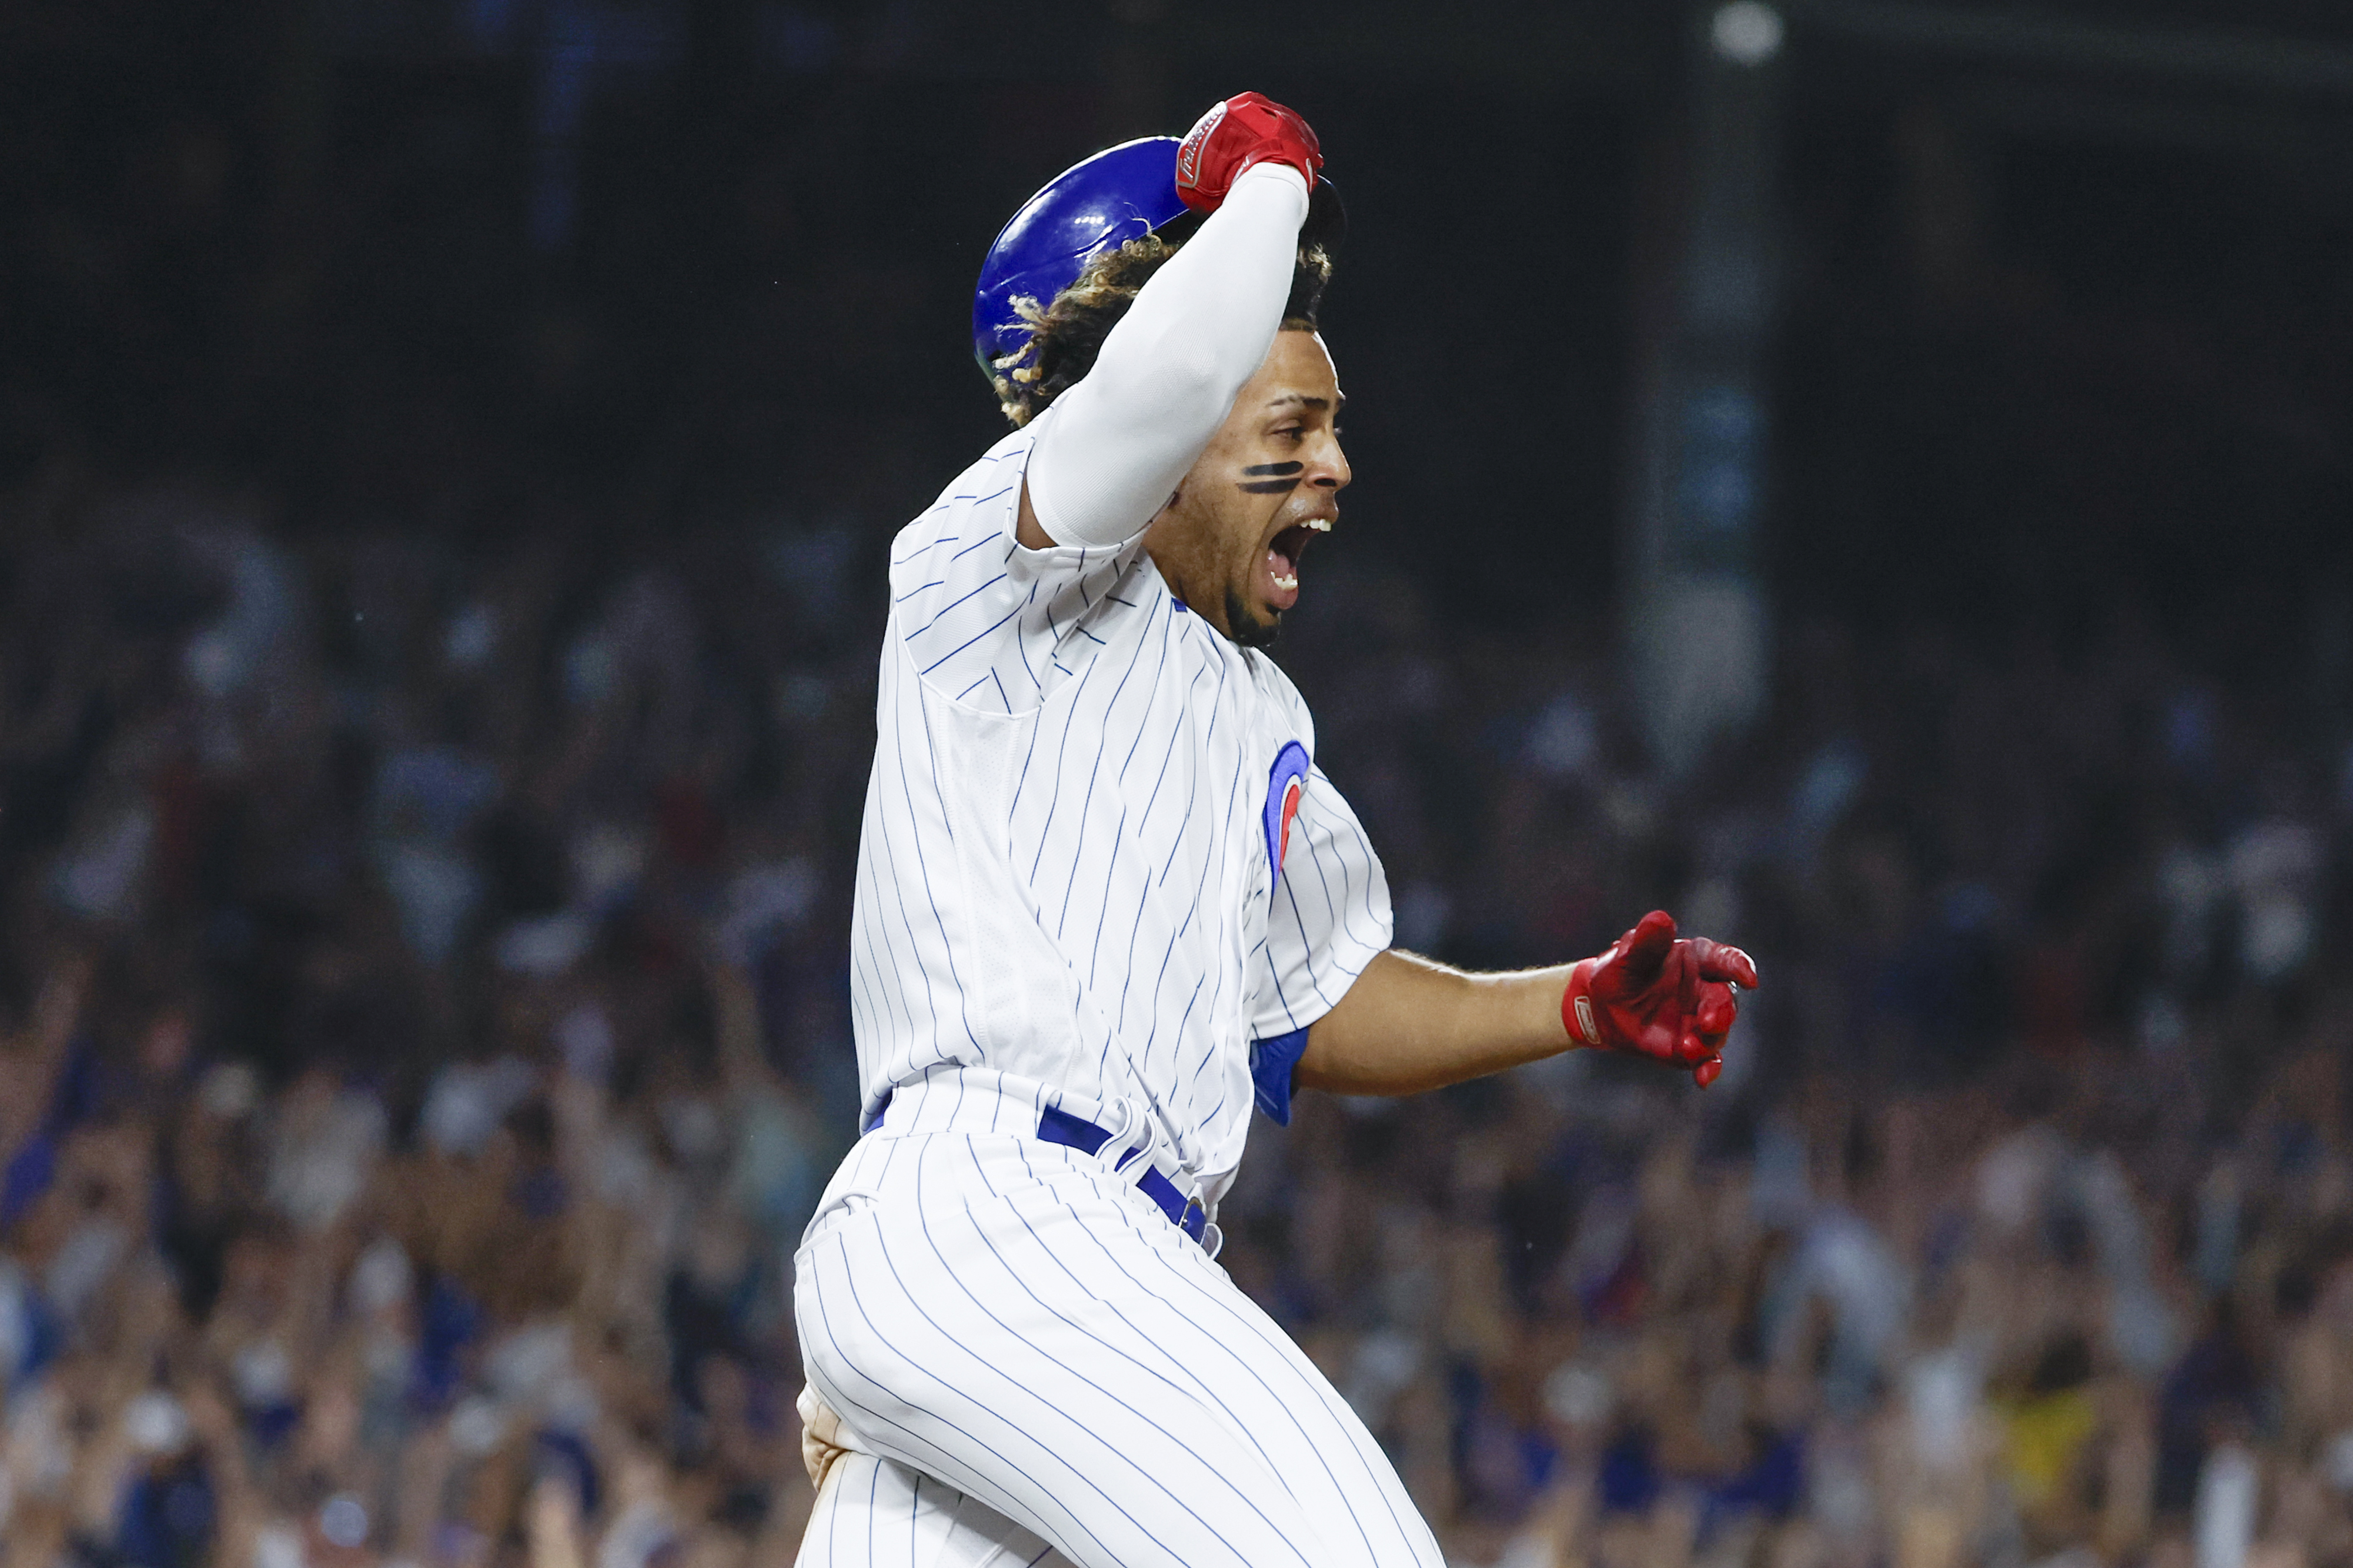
x,y
1167,373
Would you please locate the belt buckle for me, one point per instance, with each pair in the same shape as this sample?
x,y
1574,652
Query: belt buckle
x,y
1195,1220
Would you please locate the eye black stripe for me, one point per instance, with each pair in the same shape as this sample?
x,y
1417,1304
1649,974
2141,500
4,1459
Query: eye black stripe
x,y
1260,470
1268,487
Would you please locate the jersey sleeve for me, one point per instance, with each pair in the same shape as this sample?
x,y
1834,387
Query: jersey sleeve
x,y
983,620
1330,914
1168,372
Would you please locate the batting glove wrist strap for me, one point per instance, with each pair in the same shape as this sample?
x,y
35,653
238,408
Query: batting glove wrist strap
x,y
1656,996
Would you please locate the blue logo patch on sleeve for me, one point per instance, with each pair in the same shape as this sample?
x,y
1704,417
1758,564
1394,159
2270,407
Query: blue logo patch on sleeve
x,y
1284,785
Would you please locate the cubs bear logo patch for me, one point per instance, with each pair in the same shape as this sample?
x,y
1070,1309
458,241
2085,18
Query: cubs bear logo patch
x,y
1285,781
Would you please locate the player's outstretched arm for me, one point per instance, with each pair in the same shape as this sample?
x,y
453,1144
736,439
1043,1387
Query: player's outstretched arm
x,y
1409,1025
1165,380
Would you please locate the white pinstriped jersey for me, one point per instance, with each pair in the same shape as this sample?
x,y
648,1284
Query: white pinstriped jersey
x,y
1067,869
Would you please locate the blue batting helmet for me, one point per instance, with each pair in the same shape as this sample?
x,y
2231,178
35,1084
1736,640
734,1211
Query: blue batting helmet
x,y
1121,193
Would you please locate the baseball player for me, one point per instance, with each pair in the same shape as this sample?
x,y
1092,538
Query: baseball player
x,y
1107,903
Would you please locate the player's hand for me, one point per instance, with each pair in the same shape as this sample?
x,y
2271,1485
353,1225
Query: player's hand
x,y
1668,999
1242,131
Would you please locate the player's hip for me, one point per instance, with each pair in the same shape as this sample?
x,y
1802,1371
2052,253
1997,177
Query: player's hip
x,y
935,1249
976,1141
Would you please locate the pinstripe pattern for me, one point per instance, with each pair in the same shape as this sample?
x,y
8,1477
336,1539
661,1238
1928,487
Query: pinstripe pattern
x,y
878,1513
1066,896
1062,872
1014,1322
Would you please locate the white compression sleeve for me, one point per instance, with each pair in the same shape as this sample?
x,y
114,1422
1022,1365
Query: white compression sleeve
x,y
1165,378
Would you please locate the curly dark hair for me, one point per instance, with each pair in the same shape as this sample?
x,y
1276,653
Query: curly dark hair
x,y
1066,336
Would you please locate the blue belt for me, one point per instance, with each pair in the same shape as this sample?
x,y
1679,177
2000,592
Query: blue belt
x,y
1076,1132
1185,1214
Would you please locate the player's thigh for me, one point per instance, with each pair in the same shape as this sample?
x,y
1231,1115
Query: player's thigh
x,y
1067,1357
1176,1305
879,1511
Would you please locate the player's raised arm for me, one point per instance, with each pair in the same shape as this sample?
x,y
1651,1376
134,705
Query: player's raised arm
x,y
1167,374
1408,1024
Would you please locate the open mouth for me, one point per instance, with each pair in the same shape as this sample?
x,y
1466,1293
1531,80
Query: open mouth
x,y
1282,564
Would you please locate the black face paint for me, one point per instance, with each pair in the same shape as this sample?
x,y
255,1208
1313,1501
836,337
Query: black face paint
x,y
1286,477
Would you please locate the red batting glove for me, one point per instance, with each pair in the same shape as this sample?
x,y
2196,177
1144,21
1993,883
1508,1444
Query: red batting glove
x,y
1235,134
1669,1000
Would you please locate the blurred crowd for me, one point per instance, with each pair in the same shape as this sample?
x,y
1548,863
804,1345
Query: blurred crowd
x,y
424,1038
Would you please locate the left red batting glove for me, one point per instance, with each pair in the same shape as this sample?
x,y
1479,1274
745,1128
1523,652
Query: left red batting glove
x,y
1668,999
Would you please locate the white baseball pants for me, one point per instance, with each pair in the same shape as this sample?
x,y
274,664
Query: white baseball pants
x,y
1028,1357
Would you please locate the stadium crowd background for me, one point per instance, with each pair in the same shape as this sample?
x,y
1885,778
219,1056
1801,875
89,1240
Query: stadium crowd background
x,y
439,579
